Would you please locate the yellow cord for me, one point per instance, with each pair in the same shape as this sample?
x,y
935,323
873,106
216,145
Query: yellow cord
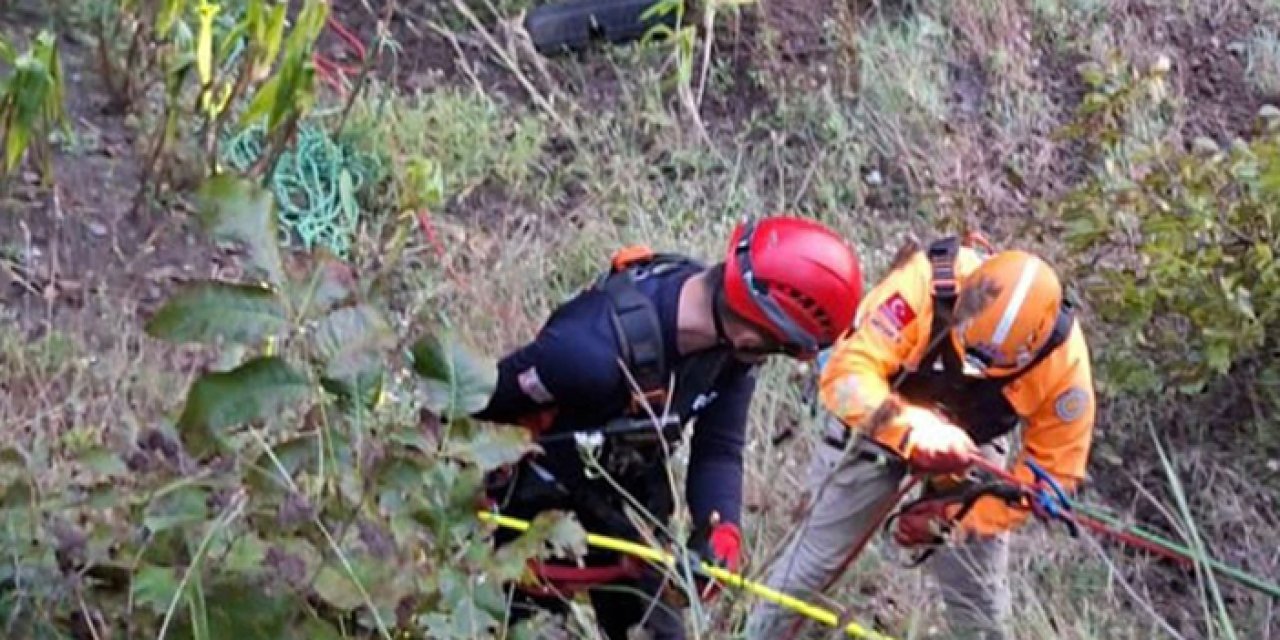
x,y
825,616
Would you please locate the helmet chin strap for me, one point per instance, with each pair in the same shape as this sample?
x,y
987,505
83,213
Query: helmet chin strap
x,y
718,306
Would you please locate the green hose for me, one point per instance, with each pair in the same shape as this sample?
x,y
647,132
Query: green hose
x,y
1249,580
315,183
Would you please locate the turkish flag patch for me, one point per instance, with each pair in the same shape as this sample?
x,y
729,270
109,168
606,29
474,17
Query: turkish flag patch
x,y
897,311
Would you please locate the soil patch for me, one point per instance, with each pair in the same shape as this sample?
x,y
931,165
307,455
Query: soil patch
x,y
77,247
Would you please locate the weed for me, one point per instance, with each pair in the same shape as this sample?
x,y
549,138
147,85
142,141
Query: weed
x,y
31,104
469,138
1262,60
903,81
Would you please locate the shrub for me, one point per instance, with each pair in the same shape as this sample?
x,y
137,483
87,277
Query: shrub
x,y
287,499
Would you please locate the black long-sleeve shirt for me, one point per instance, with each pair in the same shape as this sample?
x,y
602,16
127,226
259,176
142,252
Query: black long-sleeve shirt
x,y
573,365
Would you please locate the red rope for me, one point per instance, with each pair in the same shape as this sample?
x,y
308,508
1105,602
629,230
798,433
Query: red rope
x,y
433,238
1092,524
333,73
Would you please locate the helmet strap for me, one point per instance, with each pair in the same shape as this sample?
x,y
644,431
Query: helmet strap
x,y
718,310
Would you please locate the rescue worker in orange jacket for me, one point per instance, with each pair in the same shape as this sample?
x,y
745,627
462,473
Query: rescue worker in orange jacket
x,y
949,354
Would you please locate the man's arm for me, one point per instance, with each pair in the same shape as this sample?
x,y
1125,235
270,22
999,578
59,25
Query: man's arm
x,y
716,452
855,381
1058,434
569,360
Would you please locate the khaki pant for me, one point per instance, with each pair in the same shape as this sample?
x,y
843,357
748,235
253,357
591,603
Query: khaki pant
x,y
847,493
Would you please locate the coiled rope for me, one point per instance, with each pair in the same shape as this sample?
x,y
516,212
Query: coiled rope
x,y
315,183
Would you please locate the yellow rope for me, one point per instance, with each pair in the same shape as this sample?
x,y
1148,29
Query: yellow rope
x,y
815,612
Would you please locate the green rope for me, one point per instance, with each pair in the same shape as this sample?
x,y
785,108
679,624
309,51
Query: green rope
x,y
1246,579
315,183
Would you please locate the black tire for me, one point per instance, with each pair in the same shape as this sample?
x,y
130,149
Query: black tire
x,y
575,24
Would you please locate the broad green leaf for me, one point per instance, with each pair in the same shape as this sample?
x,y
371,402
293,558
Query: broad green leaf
x,y
313,629
385,582
154,587
293,455
105,495
262,102
335,586
350,340
104,461
246,555
493,447
1218,356
243,611
363,389
259,388
16,489
16,143
557,529
237,209
182,506
169,13
457,381
209,312
273,36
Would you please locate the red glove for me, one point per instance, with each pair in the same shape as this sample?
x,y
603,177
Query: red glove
x,y
726,546
933,445
925,522
723,547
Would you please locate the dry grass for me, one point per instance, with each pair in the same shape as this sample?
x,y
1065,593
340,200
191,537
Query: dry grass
x,y
952,119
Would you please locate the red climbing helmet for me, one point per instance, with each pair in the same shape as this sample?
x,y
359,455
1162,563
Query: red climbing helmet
x,y
795,278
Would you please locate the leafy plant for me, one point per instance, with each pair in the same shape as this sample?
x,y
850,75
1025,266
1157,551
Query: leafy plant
x,y
1178,258
305,489
31,103
215,61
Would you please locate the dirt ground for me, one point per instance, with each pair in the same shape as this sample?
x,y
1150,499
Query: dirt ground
x,y
79,250
84,239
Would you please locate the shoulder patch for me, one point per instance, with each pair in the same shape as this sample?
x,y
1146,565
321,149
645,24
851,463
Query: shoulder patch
x,y
894,314
1071,404
532,386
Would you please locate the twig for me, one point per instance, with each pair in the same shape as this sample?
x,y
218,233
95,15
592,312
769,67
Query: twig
x,y
708,27
454,42
324,531
514,68
232,512
1139,600
384,24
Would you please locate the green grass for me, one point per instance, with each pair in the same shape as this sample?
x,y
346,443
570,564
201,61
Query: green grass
x,y
903,87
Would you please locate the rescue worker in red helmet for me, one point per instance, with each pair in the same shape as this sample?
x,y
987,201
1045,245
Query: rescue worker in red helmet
x,y
951,352
661,333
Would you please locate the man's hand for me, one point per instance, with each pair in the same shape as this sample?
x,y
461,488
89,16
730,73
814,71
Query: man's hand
x,y
925,522
720,544
725,545
934,445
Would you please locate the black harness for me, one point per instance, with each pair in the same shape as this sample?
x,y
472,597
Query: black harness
x,y
978,405
630,447
638,330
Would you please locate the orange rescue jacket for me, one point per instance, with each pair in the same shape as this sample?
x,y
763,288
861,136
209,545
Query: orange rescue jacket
x,y
885,356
